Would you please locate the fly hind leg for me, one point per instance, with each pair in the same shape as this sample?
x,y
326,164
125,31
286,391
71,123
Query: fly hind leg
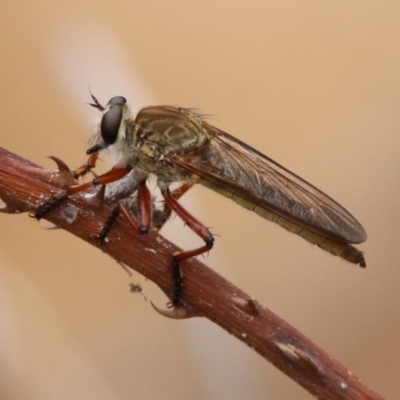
x,y
197,227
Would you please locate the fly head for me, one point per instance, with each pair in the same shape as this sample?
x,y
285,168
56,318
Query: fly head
x,y
112,118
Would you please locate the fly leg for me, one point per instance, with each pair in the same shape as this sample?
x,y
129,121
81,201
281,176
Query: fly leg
x,y
160,217
144,207
145,219
110,176
144,212
81,171
65,177
178,257
93,154
88,166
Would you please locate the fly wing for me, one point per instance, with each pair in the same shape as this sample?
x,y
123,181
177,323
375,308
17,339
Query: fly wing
x,y
238,168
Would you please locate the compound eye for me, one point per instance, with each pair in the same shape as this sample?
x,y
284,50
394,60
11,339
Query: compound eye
x,y
117,101
110,124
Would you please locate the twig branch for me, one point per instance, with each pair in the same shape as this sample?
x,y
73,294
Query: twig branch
x,y
24,186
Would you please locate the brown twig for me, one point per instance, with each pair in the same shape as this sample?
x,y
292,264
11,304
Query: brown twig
x,y
24,186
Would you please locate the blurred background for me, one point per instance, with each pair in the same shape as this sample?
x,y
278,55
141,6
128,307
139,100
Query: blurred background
x,y
313,84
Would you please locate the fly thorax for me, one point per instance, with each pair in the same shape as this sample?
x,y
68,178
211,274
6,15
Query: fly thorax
x,y
165,132
148,153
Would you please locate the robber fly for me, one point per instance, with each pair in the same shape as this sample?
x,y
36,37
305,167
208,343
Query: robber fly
x,y
179,145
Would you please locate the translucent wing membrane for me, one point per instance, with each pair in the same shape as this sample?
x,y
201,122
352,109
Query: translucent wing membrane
x,y
229,163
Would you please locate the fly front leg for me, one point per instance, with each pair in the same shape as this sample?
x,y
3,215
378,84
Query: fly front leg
x,y
88,166
110,176
197,227
93,154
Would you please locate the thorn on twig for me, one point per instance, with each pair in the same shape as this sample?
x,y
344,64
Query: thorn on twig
x,y
176,312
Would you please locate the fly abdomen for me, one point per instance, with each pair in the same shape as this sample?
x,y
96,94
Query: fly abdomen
x,y
338,248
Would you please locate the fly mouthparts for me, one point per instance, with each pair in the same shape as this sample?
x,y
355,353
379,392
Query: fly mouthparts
x,y
97,147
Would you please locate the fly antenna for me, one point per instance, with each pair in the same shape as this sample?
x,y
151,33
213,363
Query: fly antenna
x,y
95,103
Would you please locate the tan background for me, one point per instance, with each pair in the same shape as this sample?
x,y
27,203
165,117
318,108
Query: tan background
x,y
313,84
